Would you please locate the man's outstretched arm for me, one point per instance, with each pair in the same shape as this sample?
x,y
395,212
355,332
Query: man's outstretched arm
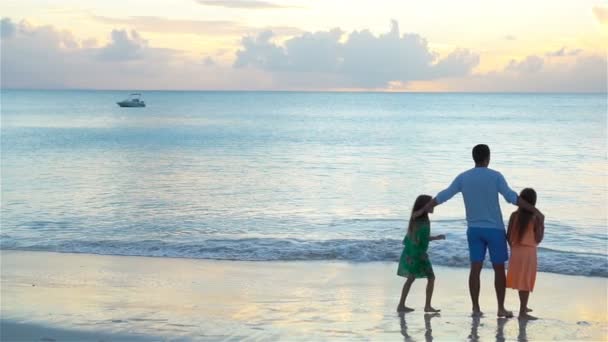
x,y
441,197
512,197
428,207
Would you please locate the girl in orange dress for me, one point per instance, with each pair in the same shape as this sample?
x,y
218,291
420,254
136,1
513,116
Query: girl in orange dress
x,y
525,232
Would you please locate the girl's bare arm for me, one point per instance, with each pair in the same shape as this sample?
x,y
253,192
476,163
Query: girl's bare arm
x,y
539,229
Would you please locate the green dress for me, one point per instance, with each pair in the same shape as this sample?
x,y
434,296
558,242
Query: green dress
x,y
414,258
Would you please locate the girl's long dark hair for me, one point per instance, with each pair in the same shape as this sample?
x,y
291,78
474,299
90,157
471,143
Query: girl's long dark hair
x,y
524,216
421,201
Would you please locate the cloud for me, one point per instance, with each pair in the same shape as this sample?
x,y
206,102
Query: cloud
x,y
585,74
260,52
563,52
124,47
7,28
362,59
157,24
459,62
44,57
245,4
198,27
529,65
34,55
601,14
208,61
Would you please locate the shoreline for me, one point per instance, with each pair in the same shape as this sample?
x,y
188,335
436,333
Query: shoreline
x,y
599,271
192,299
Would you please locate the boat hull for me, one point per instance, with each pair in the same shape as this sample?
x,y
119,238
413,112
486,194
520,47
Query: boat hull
x,y
130,104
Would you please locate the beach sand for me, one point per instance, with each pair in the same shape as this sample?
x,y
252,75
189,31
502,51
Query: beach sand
x,y
82,297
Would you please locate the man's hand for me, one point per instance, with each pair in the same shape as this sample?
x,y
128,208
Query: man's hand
x,y
440,237
428,208
418,213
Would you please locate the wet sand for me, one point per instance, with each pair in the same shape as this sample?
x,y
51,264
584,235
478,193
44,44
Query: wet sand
x,y
69,297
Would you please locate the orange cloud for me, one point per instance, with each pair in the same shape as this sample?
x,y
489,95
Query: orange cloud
x,y
601,14
202,27
244,4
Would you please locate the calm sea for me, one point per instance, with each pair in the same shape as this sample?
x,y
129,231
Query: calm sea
x,y
292,176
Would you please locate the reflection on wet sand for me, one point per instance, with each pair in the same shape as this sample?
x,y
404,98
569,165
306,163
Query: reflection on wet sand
x,y
522,336
428,330
403,325
474,335
500,329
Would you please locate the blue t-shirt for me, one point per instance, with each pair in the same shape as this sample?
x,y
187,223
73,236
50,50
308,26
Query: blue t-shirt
x,y
480,187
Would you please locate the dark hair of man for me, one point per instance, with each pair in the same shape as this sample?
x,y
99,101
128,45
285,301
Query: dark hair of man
x,y
481,153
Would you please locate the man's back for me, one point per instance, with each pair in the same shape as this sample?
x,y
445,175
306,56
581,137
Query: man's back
x,y
480,187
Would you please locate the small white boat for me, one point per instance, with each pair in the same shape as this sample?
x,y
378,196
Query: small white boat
x,y
134,100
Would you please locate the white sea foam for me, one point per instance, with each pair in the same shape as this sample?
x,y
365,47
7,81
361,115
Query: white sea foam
x,y
450,253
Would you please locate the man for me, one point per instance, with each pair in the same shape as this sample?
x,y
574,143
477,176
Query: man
x,y
480,187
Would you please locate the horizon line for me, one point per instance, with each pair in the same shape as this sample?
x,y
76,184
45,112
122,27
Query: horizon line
x,y
305,91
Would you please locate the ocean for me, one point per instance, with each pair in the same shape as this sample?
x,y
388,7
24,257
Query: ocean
x,y
268,176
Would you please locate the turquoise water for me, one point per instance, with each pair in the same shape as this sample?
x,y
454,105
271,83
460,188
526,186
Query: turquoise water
x,y
292,176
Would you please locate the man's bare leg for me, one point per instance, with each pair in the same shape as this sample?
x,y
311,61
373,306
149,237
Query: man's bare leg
x,y
474,286
500,285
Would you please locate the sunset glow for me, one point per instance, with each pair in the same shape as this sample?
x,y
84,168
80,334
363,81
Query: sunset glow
x,y
306,45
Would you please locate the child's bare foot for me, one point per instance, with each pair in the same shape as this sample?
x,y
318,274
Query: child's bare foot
x,y
527,317
476,312
431,309
504,313
403,308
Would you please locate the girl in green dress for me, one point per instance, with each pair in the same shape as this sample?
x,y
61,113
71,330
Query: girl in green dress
x,y
414,262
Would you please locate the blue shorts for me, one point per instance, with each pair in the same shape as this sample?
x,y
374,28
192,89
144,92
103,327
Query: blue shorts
x,y
481,239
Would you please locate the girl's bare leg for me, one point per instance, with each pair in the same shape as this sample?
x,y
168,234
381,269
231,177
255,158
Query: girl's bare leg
x,y
406,289
523,306
430,286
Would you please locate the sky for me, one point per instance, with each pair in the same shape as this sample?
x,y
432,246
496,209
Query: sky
x,y
313,45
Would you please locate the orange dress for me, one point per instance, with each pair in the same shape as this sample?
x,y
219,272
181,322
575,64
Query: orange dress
x,y
522,265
